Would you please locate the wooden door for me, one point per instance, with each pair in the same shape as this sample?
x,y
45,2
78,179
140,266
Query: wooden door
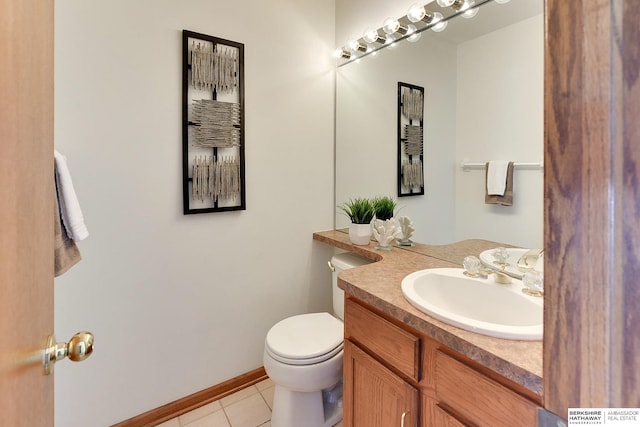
x,y
373,395
26,210
592,209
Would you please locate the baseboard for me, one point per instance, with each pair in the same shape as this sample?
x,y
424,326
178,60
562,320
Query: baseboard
x,y
195,400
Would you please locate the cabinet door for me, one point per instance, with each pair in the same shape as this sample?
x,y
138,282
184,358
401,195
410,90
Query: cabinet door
x,y
444,419
373,395
434,415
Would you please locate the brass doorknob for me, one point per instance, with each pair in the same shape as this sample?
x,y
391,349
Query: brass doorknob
x,y
79,347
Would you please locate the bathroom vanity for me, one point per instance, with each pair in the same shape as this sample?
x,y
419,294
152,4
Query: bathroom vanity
x,y
405,368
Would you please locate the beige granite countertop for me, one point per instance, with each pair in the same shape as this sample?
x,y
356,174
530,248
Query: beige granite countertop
x,y
378,284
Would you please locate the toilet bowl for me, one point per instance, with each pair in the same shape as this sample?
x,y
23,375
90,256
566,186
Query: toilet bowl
x,y
303,357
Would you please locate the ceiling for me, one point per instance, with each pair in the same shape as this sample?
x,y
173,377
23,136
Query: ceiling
x,y
491,17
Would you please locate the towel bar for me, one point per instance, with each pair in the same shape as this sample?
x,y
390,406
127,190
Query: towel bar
x,y
476,165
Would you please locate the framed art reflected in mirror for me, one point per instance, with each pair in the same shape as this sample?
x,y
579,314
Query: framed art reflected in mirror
x,y
410,140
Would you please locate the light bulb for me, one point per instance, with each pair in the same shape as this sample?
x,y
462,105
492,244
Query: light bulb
x,y
341,53
470,10
355,46
413,33
445,3
416,13
371,36
439,24
390,25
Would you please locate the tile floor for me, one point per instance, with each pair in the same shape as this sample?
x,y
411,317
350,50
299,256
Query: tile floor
x,y
250,407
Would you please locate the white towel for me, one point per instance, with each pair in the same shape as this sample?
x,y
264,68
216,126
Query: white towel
x,y
497,177
69,206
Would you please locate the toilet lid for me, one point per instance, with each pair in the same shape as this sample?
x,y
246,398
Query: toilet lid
x,y
305,339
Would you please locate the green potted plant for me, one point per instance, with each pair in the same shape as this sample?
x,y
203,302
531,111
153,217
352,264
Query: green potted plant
x,y
384,207
360,211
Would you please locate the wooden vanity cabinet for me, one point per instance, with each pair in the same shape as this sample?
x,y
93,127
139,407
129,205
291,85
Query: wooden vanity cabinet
x,y
393,374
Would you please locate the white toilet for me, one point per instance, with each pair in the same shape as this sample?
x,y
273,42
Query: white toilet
x,y
303,357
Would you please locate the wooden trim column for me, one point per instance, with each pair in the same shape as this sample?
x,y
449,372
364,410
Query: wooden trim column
x,y
626,310
592,204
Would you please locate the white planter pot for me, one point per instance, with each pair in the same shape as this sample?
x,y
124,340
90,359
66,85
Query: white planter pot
x,y
360,234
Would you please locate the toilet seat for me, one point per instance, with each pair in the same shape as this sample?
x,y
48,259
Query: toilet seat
x,y
305,339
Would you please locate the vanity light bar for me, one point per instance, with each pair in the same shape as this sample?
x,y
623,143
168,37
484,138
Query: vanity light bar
x,y
375,39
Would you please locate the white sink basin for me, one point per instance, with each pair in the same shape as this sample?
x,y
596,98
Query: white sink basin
x,y
477,305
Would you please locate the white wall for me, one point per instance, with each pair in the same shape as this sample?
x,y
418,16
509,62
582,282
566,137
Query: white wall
x,y
500,116
180,303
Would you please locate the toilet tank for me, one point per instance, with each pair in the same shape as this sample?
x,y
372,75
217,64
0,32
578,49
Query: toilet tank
x,y
342,262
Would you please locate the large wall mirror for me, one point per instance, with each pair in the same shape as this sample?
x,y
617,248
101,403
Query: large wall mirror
x,y
483,80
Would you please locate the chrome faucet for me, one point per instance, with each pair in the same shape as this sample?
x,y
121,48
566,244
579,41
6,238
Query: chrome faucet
x,y
473,268
529,259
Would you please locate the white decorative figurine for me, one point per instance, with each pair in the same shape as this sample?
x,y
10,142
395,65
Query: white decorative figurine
x,y
406,230
385,232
